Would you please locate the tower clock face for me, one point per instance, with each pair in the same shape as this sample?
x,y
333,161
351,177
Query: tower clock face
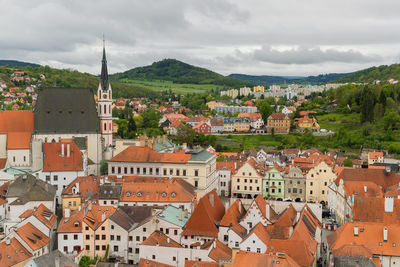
x,y
105,96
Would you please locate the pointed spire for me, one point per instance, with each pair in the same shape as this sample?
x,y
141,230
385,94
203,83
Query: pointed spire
x,y
104,71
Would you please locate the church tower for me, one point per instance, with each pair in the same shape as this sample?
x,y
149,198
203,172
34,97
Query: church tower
x,y
104,102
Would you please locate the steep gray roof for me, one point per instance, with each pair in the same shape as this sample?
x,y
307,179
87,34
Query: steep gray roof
x,y
131,216
27,188
50,259
110,191
66,110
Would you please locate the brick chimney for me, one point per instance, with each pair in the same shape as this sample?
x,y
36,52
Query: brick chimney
x,y
68,150
355,230
62,150
385,234
211,198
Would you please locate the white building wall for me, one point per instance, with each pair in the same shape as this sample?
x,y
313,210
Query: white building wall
x,y
64,178
19,157
70,242
115,230
140,234
253,244
234,239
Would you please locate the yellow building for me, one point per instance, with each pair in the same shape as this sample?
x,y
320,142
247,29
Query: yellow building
x,y
259,88
247,181
95,230
212,104
308,123
318,180
242,124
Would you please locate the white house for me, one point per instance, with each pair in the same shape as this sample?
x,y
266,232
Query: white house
x,y
258,212
257,240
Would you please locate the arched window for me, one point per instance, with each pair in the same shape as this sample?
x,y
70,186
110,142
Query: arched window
x,y
100,109
110,126
105,126
105,108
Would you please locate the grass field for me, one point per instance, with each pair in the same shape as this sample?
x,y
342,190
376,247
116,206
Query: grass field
x,y
238,143
158,85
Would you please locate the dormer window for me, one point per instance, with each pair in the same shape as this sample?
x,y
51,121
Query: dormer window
x,y
139,194
76,224
164,194
128,194
173,194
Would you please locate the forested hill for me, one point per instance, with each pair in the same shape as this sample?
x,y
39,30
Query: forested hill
x,y
382,73
74,78
268,80
16,63
178,72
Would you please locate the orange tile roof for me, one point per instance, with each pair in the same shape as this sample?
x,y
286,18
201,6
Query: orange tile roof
x,y
43,214
32,236
353,250
220,252
370,235
176,124
261,232
297,250
197,126
372,209
362,189
4,189
378,176
150,263
281,228
233,214
375,155
67,225
246,258
278,116
249,115
94,217
376,167
262,205
158,238
19,127
229,154
249,103
13,253
53,161
88,186
189,263
205,216
146,154
152,189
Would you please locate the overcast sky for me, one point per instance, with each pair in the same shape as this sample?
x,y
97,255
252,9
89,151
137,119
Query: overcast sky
x,y
269,37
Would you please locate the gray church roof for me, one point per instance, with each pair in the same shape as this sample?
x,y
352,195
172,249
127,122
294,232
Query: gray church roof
x,y
66,110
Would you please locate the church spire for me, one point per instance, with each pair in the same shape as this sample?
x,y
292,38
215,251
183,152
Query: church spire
x,y
104,71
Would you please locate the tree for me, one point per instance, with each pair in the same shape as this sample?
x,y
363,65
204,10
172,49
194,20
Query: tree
x,y
266,110
348,162
104,167
367,104
390,119
131,124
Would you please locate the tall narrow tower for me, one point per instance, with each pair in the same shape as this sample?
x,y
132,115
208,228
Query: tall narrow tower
x,y
104,102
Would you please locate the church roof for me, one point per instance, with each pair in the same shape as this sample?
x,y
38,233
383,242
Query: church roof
x,y
66,110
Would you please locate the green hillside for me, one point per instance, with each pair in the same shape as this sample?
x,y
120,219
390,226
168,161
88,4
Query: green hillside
x,y
73,78
179,73
268,80
382,73
16,63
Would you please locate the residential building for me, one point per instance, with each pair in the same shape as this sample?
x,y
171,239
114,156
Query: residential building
x,y
295,185
172,220
225,170
258,88
273,184
247,181
245,91
230,231
217,125
197,167
62,163
16,129
288,110
234,109
202,128
202,226
318,180
257,240
70,232
375,157
109,194
195,120
259,211
310,124
278,123
212,104
157,191
256,121
20,255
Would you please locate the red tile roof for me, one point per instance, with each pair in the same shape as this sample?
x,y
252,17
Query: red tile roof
x,y
278,116
233,214
158,238
19,126
281,228
220,252
372,209
146,154
72,224
13,253
43,214
150,263
375,155
89,186
261,232
97,215
245,258
189,263
33,236
53,161
153,189
378,176
3,163
205,216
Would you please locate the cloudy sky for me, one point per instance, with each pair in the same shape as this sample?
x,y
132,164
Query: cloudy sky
x,y
259,37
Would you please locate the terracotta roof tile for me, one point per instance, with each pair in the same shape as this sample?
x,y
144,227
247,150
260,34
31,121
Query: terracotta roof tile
x,y
53,161
150,263
72,224
13,253
372,209
375,155
261,232
32,236
220,252
19,127
89,186
245,258
3,162
233,214
158,238
146,154
205,216
94,217
380,177
278,116
189,263
43,214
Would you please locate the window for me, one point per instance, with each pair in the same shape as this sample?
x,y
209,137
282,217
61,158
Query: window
x,y
310,192
48,178
311,183
14,159
103,237
165,171
112,169
196,172
130,238
87,237
196,183
173,258
112,227
75,237
65,237
86,228
111,237
153,257
248,249
119,170
55,177
175,232
97,247
157,171
115,248
103,228
97,237
300,191
236,244
125,170
258,250
151,170
258,188
238,180
326,183
177,172
87,247
323,192
238,187
289,191
184,172
137,170
226,238
245,180
295,190
103,247
118,238
136,250
65,249
144,229
144,170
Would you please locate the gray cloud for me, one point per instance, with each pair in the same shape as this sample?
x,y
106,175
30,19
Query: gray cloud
x,y
223,35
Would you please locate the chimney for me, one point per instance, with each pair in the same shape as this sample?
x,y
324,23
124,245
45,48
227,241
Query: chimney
x,y
365,189
67,213
62,150
186,213
8,241
385,234
240,208
77,188
163,139
68,150
103,216
355,230
235,165
180,212
211,198
388,169
168,240
79,207
389,204
158,139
